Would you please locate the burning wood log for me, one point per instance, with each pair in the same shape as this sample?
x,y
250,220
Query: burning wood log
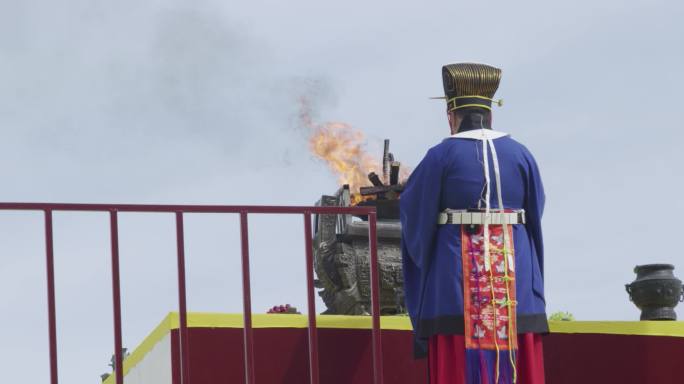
x,y
386,187
394,173
375,179
385,163
366,191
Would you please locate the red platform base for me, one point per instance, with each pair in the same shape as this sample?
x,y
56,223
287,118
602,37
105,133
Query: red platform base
x,y
345,357
574,352
281,356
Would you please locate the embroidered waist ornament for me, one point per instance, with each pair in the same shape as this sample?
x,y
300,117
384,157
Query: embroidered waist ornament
x,y
489,313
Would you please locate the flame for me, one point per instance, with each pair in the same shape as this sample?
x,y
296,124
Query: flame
x,y
343,148
357,198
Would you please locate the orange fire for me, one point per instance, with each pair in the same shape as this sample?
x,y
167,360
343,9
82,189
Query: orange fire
x,y
342,147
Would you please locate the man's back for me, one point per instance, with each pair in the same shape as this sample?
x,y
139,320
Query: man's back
x,y
463,180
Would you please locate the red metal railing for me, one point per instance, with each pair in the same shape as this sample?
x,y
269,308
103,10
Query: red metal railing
x,y
179,210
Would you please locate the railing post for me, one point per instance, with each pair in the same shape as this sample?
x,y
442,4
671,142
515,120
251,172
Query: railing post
x,y
182,309
313,331
378,377
247,300
116,297
52,317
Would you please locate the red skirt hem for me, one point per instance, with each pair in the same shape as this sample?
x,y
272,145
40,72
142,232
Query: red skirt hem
x,y
447,359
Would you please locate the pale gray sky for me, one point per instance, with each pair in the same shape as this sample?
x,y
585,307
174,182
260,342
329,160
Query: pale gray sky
x,y
196,102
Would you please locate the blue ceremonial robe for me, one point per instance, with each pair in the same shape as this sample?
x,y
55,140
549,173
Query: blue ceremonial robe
x,y
451,176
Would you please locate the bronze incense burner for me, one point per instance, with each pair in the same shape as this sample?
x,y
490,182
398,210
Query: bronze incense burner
x,y
656,291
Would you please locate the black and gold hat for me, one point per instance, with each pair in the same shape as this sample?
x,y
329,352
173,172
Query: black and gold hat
x,y
470,85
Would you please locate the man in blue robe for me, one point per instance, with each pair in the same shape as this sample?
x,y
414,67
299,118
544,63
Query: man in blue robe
x,y
477,306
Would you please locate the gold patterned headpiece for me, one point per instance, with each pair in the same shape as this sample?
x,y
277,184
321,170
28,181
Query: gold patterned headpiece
x,y
470,85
